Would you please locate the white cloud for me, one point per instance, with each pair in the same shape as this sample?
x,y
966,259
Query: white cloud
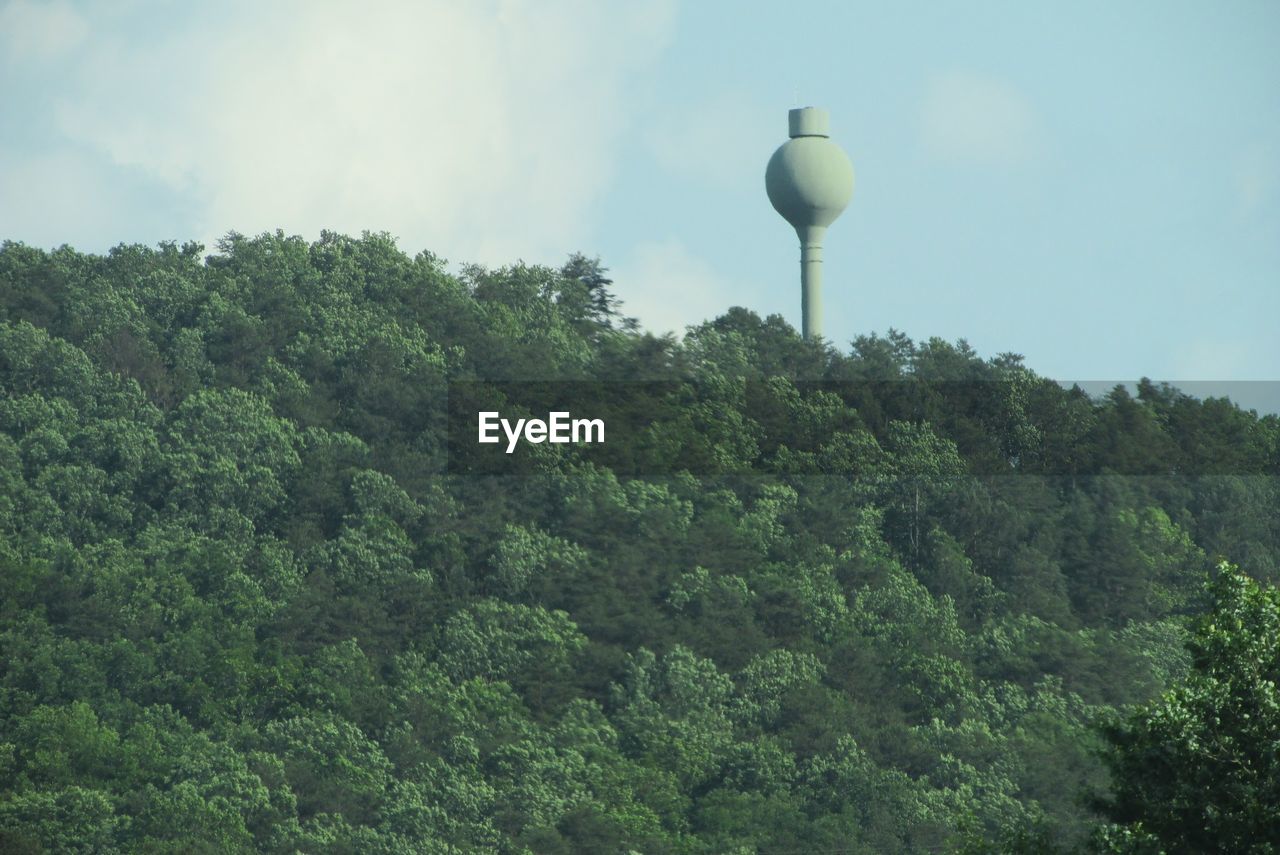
x,y
482,131
39,31
721,140
668,288
1257,176
969,117
49,197
1207,358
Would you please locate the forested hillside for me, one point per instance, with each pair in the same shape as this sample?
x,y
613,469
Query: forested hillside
x,y
882,599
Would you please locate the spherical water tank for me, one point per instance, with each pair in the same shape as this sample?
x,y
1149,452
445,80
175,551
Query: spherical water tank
x,y
809,178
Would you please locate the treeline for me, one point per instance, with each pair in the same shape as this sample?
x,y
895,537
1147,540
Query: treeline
x,y
864,601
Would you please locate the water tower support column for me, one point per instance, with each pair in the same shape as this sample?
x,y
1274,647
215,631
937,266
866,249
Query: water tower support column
x,y
811,284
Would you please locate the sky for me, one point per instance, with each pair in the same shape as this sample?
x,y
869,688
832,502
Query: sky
x,y
1093,185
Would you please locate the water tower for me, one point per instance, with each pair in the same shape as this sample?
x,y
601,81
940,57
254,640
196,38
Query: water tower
x,y
810,181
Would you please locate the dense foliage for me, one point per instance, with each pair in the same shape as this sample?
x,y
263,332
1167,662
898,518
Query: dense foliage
x,y
873,601
1198,770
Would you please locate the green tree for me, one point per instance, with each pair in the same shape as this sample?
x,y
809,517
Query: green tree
x,y
1198,770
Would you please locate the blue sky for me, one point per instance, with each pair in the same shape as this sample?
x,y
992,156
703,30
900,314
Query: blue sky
x,y
1093,185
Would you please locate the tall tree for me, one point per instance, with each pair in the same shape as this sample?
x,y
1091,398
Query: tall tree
x,y
1198,770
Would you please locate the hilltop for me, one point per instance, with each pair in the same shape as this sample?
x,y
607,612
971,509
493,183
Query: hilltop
x,y
256,596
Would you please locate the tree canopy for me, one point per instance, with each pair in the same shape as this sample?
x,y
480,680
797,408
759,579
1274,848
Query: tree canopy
x,y
861,600
1198,769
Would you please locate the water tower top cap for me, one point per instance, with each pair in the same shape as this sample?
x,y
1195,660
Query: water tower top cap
x,y
809,122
